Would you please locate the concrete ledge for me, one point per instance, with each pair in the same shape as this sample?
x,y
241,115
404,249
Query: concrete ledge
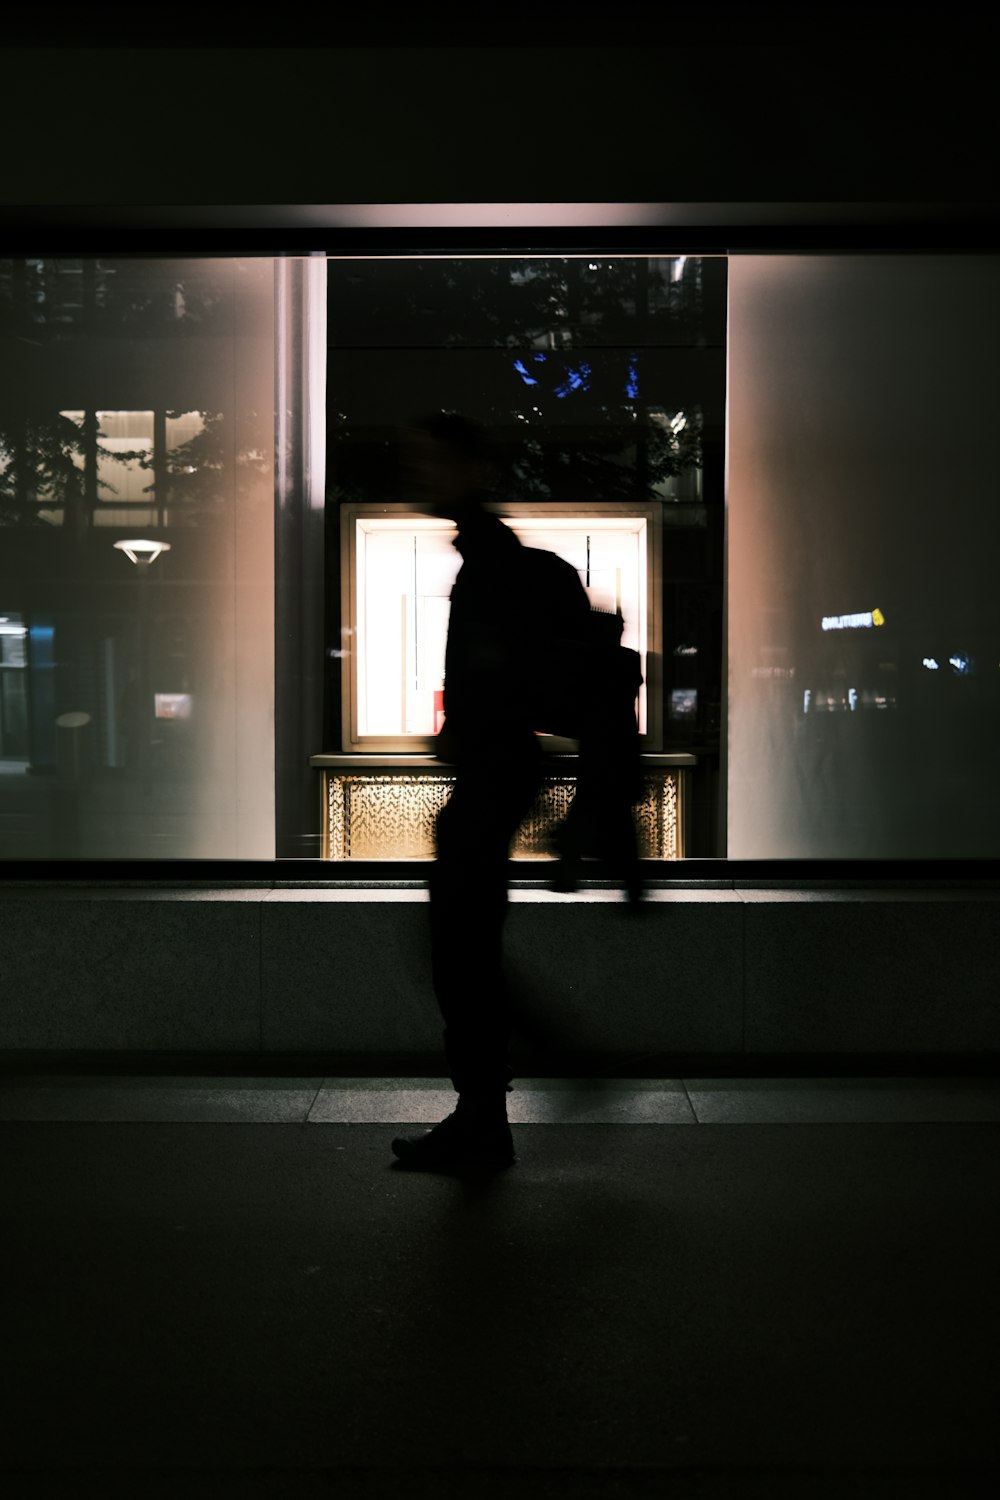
x,y
347,971
592,976
903,972
720,970
129,969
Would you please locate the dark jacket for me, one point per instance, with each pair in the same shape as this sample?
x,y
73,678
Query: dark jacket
x,y
486,705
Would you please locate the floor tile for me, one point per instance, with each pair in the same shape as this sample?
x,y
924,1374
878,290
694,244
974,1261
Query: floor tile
x,y
804,1101
532,1102
398,1106
602,1102
203,1100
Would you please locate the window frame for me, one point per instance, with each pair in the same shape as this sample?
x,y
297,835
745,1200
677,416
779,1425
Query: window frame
x,y
649,512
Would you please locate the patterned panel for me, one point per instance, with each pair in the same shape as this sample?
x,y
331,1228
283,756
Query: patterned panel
x,y
534,837
392,817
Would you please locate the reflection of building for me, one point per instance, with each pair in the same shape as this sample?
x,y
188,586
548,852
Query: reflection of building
x,y
135,404
128,463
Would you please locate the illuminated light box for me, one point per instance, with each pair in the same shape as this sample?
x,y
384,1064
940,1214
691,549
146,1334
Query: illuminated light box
x,y
379,813
398,568
172,705
867,619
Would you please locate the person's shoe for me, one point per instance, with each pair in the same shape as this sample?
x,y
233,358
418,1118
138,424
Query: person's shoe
x,y
456,1145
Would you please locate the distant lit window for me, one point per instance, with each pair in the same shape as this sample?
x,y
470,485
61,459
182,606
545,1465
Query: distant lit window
x,y
124,466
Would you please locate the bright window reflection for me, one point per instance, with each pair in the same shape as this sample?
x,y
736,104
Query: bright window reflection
x,y
124,459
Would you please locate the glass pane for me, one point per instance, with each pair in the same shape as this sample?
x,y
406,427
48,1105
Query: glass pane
x,y
137,407
599,381
864,614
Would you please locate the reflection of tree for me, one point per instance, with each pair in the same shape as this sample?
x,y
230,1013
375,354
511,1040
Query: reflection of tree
x,y
625,460
227,458
49,462
470,303
551,355
54,300
44,467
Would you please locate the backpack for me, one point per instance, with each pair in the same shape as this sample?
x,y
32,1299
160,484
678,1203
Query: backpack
x,y
581,682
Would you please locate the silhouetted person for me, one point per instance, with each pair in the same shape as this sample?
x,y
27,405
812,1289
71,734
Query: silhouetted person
x,y
489,737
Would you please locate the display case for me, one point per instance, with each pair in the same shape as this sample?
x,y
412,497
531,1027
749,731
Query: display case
x,y
382,790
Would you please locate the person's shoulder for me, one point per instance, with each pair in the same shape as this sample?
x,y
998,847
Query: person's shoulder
x,y
554,588
545,563
552,568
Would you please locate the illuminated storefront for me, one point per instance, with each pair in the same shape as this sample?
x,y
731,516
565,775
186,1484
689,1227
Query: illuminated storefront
x,y
222,616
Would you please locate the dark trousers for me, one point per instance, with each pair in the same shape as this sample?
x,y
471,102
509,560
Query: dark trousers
x,y
600,824
468,889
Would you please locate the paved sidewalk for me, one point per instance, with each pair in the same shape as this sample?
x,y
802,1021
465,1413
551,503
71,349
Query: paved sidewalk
x,y
787,1289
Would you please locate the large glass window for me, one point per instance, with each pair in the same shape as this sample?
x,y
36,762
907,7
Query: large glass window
x,y
212,573
136,558
864,614
600,383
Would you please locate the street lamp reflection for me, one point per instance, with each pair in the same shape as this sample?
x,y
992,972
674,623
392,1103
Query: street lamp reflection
x,y
142,552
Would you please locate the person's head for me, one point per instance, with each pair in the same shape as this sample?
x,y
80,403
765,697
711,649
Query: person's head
x,y
449,460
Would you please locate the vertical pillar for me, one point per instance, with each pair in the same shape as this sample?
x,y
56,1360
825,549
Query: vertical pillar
x,y
300,481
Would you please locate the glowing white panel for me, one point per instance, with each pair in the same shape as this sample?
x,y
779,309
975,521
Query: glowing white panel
x,y
404,569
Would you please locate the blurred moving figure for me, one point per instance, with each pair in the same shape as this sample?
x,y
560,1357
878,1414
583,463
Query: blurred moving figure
x,y
525,653
489,737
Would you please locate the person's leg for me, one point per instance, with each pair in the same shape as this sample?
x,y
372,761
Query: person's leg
x,y
468,912
468,909
619,847
567,844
